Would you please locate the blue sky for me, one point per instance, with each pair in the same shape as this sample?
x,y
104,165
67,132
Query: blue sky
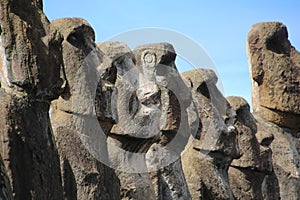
x,y
220,27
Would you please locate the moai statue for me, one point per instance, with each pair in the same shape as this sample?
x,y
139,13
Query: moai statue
x,y
206,161
247,173
81,108
122,143
151,131
275,75
30,79
178,113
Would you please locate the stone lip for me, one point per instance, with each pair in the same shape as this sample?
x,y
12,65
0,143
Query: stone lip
x,y
124,124
84,106
274,67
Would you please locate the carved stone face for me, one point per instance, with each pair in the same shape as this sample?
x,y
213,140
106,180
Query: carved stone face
x,y
255,154
275,72
275,66
150,100
30,57
218,135
138,101
146,85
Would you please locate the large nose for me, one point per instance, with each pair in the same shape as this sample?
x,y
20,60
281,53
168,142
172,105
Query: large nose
x,y
265,139
265,164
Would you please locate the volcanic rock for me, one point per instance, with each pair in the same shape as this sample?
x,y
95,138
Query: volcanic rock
x,y
247,173
274,68
29,70
81,120
5,189
274,65
206,161
76,112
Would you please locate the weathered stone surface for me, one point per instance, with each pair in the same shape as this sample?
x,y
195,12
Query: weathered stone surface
x,y
286,159
149,115
30,60
206,161
132,185
247,173
169,182
84,177
157,64
28,149
274,66
5,189
116,50
29,75
165,136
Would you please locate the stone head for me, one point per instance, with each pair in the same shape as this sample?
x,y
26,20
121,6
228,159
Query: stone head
x,y
275,73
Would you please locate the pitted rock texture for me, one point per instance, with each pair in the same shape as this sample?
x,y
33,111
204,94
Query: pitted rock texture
x,y
274,65
30,67
83,176
149,123
75,115
206,161
30,54
5,189
28,148
274,68
247,173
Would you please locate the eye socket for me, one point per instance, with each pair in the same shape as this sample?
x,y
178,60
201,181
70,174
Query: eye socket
x,y
76,38
203,89
80,39
278,43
